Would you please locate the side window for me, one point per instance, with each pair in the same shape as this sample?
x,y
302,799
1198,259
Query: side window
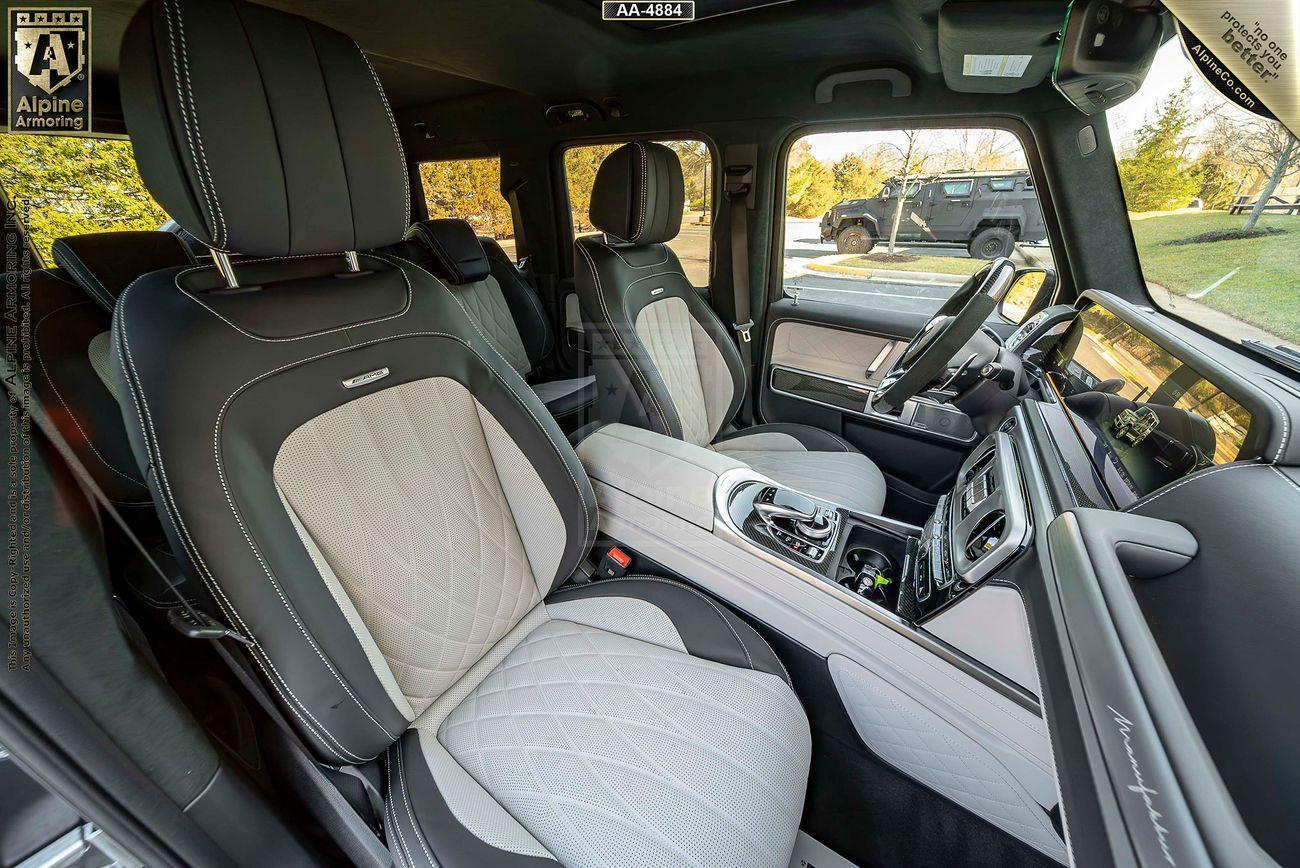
x,y
691,244
851,238
470,190
69,185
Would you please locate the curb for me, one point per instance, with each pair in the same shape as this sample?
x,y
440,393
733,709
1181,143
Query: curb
x,y
887,275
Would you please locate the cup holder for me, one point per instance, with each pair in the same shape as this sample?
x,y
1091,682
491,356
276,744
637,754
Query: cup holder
x,y
870,573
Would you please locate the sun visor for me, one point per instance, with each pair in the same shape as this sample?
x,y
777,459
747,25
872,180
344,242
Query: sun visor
x,y
988,47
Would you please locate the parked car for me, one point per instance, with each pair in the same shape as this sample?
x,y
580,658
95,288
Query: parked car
x,y
989,212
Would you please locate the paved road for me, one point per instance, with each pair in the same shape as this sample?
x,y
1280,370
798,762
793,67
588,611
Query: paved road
x,y
877,295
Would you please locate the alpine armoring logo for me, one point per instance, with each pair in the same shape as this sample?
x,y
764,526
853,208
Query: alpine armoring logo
x,y
49,80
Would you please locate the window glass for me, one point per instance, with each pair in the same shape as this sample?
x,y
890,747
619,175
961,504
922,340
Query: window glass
x,y
1213,195
691,244
471,191
851,239
68,185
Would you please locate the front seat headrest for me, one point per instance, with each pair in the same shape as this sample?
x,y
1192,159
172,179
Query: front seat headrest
x,y
262,132
638,195
456,249
105,263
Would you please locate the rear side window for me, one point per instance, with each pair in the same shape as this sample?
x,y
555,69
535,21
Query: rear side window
x,y
691,244
471,191
957,188
69,185
1002,185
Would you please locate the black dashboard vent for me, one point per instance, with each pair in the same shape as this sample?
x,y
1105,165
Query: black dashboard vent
x,y
986,534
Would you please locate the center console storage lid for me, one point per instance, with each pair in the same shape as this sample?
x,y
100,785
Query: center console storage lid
x,y
671,474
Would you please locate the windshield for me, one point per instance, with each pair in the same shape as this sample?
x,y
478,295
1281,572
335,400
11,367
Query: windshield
x,y
1213,194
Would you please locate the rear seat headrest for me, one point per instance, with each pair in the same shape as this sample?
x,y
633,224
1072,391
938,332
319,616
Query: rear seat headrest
x,y
105,263
456,249
638,195
261,132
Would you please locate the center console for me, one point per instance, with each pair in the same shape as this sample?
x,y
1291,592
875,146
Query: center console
x,y
911,572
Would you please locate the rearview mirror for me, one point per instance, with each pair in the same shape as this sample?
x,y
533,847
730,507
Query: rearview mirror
x,y
1028,288
1105,53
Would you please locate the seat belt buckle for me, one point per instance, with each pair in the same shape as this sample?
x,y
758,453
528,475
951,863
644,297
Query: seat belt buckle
x,y
197,624
742,329
614,564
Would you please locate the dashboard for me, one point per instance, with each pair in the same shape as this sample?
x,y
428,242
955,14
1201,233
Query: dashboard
x,y
1146,417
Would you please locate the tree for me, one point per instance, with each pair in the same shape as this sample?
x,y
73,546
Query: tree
x,y
697,172
914,162
1271,148
810,185
1158,176
470,190
580,165
859,175
70,186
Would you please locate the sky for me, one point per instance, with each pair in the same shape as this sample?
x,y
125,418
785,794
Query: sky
x,y
1168,73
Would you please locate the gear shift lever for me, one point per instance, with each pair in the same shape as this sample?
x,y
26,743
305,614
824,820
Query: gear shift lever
x,y
810,525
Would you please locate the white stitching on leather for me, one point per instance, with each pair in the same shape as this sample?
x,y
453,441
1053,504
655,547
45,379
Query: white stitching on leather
x,y
640,577
1286,425
40,360
239,519
154,450
201,168
391,805
397,138
401,783
600,294
201,303
589,530
645,179
1193,478
1288,480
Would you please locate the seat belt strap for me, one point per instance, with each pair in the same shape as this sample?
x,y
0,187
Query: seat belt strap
x,y
353,836
517,219
738,181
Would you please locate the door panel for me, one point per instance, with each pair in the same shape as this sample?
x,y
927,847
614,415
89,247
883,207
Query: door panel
x,y
818,370
853,356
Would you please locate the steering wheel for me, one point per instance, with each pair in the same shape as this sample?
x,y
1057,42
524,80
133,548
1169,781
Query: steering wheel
x,y
931,352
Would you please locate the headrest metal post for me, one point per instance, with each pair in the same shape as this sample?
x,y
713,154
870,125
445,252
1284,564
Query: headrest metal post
x,y
354,264
224,266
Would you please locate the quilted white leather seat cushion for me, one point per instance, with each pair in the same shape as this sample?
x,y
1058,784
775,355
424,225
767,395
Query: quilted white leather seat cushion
x,y
608,750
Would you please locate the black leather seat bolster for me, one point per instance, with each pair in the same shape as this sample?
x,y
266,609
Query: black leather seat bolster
x,y
525,307
812,439
105,263
567,397
457,254
707,628
429,834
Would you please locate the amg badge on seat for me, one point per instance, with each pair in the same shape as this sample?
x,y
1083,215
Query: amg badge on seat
x,y
367,377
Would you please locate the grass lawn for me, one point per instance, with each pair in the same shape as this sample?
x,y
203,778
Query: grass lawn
x,y
910,262
1265,292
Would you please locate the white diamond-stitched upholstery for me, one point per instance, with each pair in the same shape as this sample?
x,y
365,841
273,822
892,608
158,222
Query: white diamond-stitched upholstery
x,y
927,748
99,350
848,479
614,751
400,492
486,304
690,366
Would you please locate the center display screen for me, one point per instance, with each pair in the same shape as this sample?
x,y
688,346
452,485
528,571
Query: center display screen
x,y
1147,417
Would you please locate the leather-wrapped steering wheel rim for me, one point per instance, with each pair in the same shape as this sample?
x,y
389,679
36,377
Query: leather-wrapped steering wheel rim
x,y
933,347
